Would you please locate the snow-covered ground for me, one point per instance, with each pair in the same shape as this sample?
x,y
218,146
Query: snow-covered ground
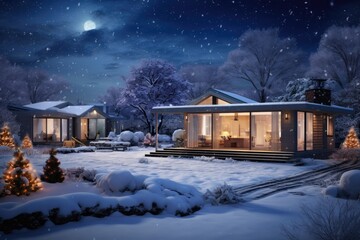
x,y
260,219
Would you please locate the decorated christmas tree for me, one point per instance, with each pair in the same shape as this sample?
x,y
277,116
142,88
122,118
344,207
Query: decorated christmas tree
x,y
19,176
351,140
6,138
26,143
52,172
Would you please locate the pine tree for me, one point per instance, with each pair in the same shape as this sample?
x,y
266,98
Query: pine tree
x,y
6,138
351,140
52,172
19,176
26,143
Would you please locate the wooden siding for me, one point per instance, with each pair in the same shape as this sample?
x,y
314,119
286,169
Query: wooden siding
x,y
318,132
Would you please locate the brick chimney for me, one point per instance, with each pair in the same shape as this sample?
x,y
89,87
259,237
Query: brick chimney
x,y
319,94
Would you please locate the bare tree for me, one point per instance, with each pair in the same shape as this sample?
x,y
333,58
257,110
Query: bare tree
x,y
43,87
112,98
11,83
338,55
264,60
201,78
328,219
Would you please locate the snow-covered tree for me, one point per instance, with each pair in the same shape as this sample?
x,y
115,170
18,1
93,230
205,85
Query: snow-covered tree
x,y
43,87
338,56
153,83
264,60
295,89
201,77
19,176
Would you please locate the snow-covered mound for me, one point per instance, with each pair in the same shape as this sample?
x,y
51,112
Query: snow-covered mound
x,y
76,149
178,134
126,136
163,138
140,136
142,195
349,186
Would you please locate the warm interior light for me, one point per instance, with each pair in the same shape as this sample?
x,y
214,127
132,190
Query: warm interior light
x,y
286,116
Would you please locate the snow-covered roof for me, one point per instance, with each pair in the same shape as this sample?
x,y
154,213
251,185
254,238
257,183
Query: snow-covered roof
x,y
46,105
229,97
236,96
250,107
77,110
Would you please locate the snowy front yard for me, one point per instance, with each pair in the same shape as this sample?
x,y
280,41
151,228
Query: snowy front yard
x,y
260,219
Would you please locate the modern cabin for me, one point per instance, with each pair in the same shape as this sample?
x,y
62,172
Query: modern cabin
x,y
220,120
56,121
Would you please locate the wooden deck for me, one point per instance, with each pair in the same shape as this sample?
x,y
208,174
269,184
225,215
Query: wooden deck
x,y
240,155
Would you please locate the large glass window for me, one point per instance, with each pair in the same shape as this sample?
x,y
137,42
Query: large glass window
x,y
266,130
92,128
329,126
199,130
50,129
232,130
39,130
64,129
305,131
309,131
301,131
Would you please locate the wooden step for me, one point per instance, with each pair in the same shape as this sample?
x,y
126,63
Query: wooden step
x,y
243,155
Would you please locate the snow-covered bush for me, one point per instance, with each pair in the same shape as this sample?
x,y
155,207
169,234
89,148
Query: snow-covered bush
x,y
118,182
178,134
112,135
163,138
346,154
149,140
140,136
178,137
144,160
126,136
328,218
223,194
350,183
349,186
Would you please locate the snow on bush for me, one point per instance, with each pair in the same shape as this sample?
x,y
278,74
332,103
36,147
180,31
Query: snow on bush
x,y
144,160
178,134
223,194
150,195
117,182
139,135
80,174
350,183
349,186
352,154
163,138
112,135
66,150
126,136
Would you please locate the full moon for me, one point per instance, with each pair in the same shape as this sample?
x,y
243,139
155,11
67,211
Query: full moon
x,y
89,25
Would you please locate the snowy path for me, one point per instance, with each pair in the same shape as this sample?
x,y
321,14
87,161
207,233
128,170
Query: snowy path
x,y
313,177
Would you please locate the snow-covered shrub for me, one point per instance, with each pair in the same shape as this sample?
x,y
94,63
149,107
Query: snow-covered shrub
x,y
117,182
178,137
346,154
328,218
112,135
144,160
88,175
126,136
178,134
163,138
139,135
223,194
349,186
73,173
149,140
350,183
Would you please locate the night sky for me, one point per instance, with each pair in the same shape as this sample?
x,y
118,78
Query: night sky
x,y
50,35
